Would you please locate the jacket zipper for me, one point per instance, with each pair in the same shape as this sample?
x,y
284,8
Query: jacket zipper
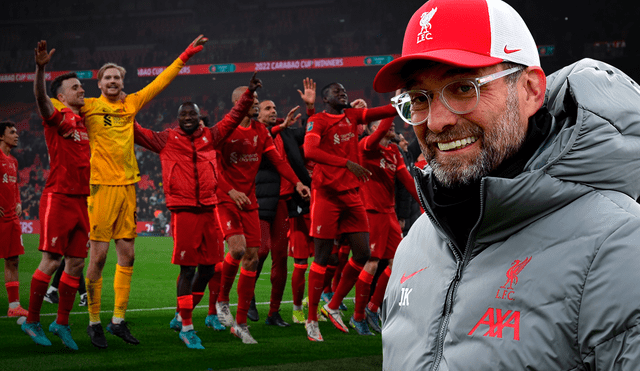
x,y
195,170
461,262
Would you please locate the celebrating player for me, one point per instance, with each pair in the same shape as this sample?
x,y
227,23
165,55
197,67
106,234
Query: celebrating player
x,y
63,205
238,213
337,208
114,172
384,161
189,165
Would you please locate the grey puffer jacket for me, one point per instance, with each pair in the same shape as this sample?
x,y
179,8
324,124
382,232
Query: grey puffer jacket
x,y
550,278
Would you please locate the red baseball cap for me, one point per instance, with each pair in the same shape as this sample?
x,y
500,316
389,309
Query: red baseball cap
x,y
466,33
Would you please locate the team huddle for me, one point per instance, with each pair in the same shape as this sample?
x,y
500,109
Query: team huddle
x,y
326,190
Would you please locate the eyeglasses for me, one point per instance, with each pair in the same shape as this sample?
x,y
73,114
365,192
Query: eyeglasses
x,y
460,97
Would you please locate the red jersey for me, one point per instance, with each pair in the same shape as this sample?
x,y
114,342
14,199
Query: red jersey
x,y
240,156
336,143
383,163
69,157
9,191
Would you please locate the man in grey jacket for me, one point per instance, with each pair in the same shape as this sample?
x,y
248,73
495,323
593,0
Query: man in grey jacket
x,y
527,255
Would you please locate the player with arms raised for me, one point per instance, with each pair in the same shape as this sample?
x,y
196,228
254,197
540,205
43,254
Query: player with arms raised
x,y
114,172
63,205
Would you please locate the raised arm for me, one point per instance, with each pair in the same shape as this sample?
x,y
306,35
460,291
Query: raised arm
x,y
231,120
309,94
291,119
142,97
371,142
43,103
379,113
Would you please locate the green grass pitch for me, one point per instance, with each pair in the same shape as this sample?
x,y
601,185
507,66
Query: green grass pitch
x,y
151,307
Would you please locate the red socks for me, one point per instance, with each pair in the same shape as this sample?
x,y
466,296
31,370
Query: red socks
x,y
316,283
229,270
378,294
13,291
186,309
297,282
363,288
348,279
67,289
246,288
39,285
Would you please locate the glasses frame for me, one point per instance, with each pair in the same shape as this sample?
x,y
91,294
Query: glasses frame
x,y
399,100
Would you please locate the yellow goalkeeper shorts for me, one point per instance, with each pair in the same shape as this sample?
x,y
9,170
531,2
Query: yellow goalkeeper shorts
x,y
112,212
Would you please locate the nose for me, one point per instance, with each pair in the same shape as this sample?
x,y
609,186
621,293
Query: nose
x,y
439,116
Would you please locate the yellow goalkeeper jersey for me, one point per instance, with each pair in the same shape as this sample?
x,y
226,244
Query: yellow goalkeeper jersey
x,y
110,127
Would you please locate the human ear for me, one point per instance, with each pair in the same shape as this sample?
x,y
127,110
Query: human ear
x,y
533,85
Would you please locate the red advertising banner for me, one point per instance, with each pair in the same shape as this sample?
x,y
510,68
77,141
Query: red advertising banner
x,y
244,67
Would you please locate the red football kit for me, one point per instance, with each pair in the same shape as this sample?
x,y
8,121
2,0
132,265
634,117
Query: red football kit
x,y
331,141
240,157
386,164
63,205
9,198
191,176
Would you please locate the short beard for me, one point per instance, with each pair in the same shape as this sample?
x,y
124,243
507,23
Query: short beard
x,y
498,144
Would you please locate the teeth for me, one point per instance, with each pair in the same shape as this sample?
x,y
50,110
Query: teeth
x,y
456,144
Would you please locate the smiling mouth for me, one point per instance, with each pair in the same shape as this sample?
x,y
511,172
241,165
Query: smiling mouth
x,y
457,144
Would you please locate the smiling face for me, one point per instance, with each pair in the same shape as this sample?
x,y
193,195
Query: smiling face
x,y
188,118
111,83
335,96
71,93
462,148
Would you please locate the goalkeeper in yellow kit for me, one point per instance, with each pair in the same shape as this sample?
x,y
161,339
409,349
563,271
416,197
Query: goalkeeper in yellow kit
x,y
114,172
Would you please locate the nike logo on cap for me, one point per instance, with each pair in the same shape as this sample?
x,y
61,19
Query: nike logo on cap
x,y
509,51
404,278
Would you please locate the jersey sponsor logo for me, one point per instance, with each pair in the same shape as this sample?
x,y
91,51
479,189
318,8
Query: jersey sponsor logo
x,y
425,24
404,278
107,120
337,139
384,164
6,178
498,320
404,297
79,136
234,158
507,291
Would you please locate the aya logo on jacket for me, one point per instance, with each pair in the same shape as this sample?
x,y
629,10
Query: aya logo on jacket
x,y
497,320
507,291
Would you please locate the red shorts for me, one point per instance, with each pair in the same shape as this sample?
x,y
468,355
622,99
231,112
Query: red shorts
x,y
196,238
64,225
300,243
234,221
385,235
337,213
11,235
